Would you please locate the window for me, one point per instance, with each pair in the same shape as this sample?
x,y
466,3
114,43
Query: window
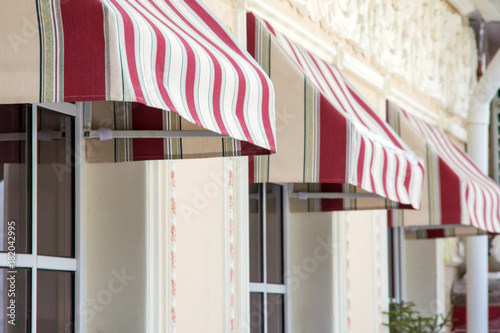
x,y
38,218
267,259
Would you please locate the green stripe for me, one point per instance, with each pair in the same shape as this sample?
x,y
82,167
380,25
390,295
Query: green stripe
x,y
310,132
120,124
41,50
47,46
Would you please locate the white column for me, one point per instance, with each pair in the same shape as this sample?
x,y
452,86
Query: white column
x,y
477,246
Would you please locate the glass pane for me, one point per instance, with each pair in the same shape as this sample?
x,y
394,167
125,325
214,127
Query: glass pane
x,y
15,178
55,299
274,234
275,313
55,211
256,313
15,300
256,251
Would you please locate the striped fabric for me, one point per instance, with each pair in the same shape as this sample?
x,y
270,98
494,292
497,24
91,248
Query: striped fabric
x,y
455,190
328,134
137,116
433,233
169,55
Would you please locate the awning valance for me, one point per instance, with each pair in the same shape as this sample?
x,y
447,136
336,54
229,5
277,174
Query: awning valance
x,y
456,192
167,55
328,134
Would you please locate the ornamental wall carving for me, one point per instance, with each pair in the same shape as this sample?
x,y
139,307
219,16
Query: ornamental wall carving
x,y
424,43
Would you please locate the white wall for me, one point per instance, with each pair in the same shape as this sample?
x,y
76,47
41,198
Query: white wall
x,y
367,270
116,247
311,272
200,246
425,275
339,277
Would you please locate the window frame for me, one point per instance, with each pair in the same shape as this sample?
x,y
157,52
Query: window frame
x,y
264,288
396,263
35,262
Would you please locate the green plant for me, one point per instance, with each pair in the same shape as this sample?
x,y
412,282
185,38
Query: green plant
x,y
404,318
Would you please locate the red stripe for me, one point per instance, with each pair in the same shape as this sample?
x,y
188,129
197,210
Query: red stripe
x,y
489,225
129,36
223,35
84,56
396,183
241,80
147,118
217,74
384,172
333,148
251,169
251,31
408,178
383,125
449,184
160,60
370,170
435,233
330,87
361,162
331,205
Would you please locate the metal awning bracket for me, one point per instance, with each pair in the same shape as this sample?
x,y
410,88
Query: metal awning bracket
x,y
108,134
326,195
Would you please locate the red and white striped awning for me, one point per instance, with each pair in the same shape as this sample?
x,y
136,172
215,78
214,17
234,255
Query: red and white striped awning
x,y
327,132
456,192
169,55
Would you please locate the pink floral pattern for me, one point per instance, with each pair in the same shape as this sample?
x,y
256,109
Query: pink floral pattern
x,y
172,241
230,198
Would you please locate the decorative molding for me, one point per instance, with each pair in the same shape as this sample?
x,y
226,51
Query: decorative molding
x,y
242,250
341,273
159,301
380,272
229,237
423,43
335,54
172,239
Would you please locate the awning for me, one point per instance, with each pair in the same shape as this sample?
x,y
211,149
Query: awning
x,y
456,193
157,54
328,134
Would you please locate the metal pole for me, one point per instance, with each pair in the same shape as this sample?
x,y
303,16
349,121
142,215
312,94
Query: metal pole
x,y
477,246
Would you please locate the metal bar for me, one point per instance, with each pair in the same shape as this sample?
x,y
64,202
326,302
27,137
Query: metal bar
x,y
325,195
264,250
156,134
439,226
55,263
22,260
268,288
87,115
22,136
80,225
12,136
34,210
66,108
287,264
